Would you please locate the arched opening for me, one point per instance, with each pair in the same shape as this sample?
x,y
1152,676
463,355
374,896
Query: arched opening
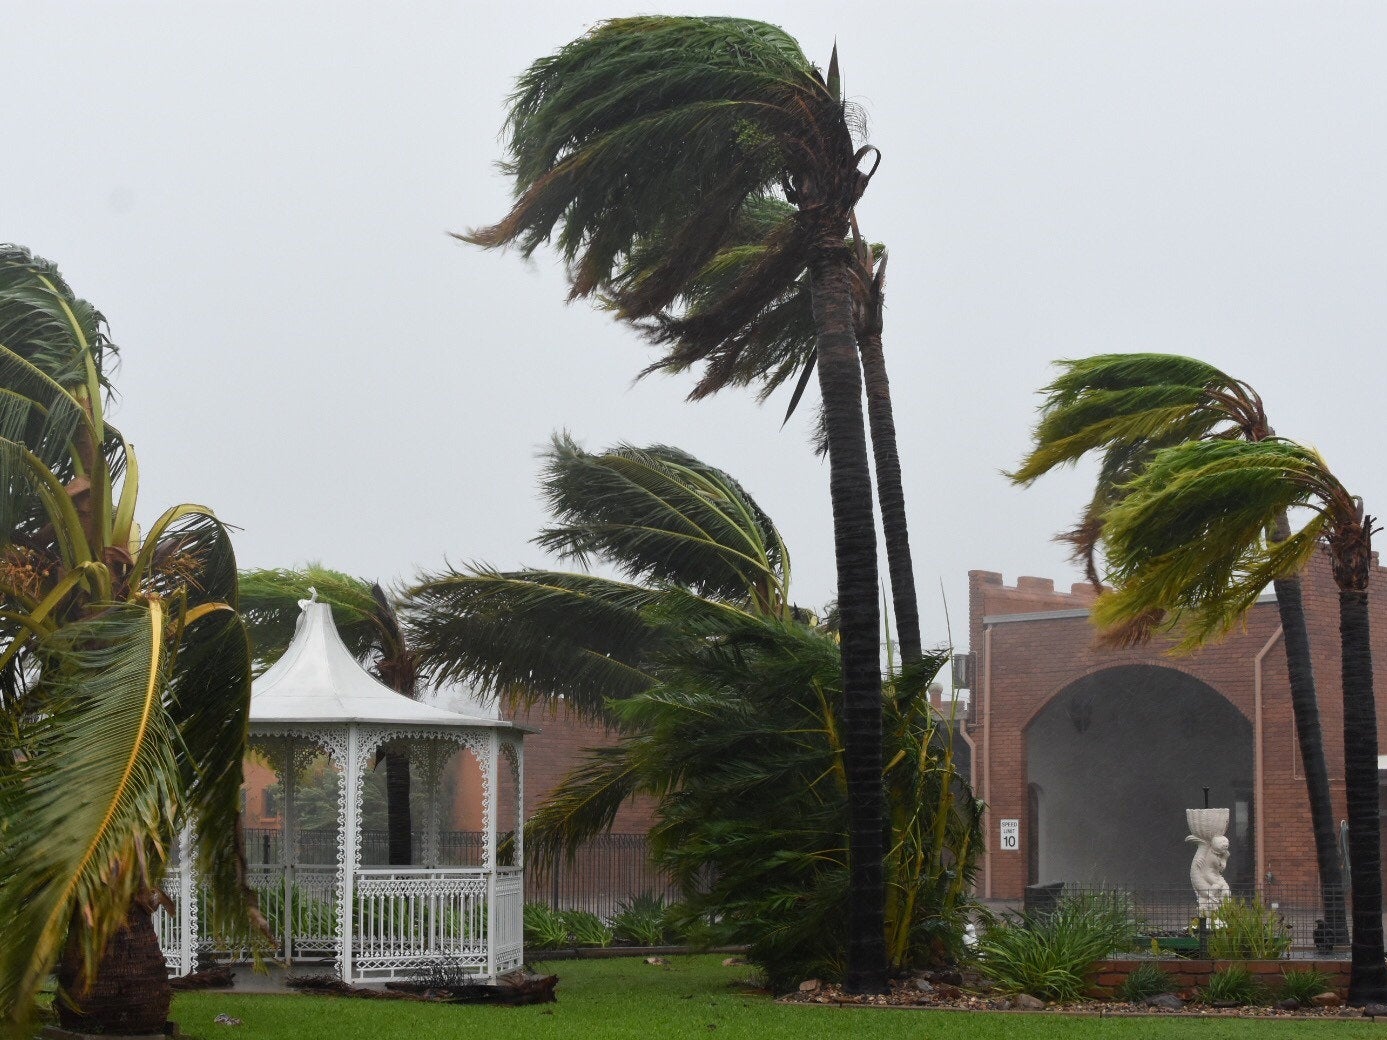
x,y
1119,756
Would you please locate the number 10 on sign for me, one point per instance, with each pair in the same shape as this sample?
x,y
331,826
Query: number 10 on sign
x,y
1011,835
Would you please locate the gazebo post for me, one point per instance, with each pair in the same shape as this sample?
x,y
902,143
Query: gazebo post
x,y
187,909
347,847
491,798
288,849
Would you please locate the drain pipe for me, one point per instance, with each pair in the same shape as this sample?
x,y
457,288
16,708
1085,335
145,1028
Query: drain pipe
x,y
987,758
1258,837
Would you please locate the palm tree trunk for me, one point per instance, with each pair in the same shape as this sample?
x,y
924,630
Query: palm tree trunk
x,y
399,824
1367,972
891,497
130,994
1305,706
854,539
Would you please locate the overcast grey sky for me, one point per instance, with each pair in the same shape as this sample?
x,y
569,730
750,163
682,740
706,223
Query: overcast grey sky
x,y
257,197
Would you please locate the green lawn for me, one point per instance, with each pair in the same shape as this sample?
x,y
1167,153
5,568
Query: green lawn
x,y
691,997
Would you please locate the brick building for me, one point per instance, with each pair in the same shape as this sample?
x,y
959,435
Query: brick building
x,y
1088,756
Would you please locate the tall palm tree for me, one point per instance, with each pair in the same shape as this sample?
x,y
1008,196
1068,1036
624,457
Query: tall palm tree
x,y
125,699
774,344
366,619
1188,539
727,701
651,120
1124,407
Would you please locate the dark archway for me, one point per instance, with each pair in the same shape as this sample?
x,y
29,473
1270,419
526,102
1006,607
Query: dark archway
x,y
1116,758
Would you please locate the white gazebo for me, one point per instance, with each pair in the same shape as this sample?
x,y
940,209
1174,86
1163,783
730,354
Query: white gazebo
x,y
317,702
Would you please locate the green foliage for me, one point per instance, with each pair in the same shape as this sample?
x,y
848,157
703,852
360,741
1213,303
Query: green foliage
x,y
586,928
1048,954
1146,980
642,921
545,928
1249,930
1304,984
1234,984
124,666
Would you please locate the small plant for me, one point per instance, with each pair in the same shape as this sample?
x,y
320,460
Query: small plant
x,y
1048,954
641,921
1304,984
586,928
1233,985
545,929
1247,929
1146,981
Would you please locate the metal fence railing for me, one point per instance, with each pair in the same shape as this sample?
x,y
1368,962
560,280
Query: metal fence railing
x,y
1289,920
608,871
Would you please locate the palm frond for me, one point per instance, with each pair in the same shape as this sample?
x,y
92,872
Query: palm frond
x,y
658,514
270,605
583,806
1188,539
106,733
534,634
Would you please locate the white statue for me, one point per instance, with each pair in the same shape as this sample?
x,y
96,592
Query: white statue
x,y
1207,827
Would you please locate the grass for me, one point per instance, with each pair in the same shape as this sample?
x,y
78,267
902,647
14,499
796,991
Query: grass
x,y
626,999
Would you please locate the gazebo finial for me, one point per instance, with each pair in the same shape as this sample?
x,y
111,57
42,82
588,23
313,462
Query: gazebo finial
x,y
312,596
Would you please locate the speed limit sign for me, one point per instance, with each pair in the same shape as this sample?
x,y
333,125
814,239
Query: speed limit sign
x,y
1011,835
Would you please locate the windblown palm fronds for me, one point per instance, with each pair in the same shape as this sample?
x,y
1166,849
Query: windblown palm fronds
x,y
126,666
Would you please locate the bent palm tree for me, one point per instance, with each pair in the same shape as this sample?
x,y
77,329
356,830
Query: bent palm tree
x,y
727,700
127,680
1188,539
1127,406
366,620
673,123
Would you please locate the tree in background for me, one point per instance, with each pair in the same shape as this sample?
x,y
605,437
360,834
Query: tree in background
x,y
673,123
1188,541
126,680
1125,407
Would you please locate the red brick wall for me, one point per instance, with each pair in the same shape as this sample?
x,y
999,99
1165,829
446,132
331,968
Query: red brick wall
x,y
558,748
1022,666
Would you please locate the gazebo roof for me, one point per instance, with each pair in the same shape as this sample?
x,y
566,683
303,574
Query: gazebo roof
x,y
318,680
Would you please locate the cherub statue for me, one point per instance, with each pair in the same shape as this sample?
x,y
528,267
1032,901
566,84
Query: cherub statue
x,y
1210,858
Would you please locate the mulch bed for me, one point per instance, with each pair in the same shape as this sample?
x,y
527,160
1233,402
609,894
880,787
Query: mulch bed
x,y
955,991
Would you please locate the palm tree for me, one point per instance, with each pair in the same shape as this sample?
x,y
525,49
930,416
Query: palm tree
x,y
126,689
727,700
1127,406
675,122
1189,539
774,344
371,630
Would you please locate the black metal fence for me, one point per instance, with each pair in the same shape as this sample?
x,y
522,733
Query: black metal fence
x,y
1280,921
606,872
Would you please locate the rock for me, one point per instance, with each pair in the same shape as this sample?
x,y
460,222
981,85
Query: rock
x,y
1164,1000
810,986
1326,999
1002,1004
1289,1004
656,960
226,1020
1375,1010
947,992
950,977
733,962
923,985
1028,1002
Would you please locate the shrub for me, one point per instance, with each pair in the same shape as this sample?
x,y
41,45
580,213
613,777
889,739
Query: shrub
x,y
545,929
1234,984
1048,954
1248,930
586,928
1304,984
642,921
1146,981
